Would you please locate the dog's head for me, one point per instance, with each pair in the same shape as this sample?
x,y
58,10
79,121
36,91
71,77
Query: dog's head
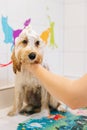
x,y
28,48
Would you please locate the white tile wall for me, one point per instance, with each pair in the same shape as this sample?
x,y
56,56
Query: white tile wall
x,y
74,1
70,19
73,64
75,38
85,36
38,11
54,58
85,64
74,13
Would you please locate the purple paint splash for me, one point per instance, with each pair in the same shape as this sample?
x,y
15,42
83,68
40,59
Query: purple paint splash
x,y
27,22
18,31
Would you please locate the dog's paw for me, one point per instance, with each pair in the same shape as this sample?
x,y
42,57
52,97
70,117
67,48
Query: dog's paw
x,y
11,113
45,112
61,108
27,108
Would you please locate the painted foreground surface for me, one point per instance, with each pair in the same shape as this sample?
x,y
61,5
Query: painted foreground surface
x,y
56,121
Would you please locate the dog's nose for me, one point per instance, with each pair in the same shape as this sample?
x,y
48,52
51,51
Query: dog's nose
x,y
32,56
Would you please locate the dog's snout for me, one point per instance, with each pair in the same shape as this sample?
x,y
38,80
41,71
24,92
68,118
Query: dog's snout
x,y
32,56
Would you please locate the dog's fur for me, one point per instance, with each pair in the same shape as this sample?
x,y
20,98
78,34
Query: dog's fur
x,y
29,49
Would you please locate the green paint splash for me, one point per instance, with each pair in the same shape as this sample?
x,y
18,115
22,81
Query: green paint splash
x,y
52,38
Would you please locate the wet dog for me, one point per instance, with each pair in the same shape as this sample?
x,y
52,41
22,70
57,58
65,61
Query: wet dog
x,y
29,92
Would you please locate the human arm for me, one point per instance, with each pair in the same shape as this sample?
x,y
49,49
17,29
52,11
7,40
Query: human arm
x,y
72,92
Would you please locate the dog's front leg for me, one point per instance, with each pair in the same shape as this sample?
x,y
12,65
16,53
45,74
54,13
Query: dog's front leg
x,y
45,102
18,102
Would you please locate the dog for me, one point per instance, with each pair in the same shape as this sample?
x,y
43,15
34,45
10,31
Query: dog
x,y
29,92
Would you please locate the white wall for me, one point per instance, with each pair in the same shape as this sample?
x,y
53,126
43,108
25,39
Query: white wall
x,y
69,59
75,38
18,11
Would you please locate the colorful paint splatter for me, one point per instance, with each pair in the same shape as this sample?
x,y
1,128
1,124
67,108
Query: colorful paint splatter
x,y
56,121
9,33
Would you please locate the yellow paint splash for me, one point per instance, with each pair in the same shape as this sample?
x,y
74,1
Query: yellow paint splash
x,y
45,35
49,33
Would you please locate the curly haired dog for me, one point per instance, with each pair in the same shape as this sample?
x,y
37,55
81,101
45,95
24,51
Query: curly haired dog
x,y
29,92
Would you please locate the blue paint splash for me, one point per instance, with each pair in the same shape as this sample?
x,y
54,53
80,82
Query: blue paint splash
x,y
9,33
7,30
69,122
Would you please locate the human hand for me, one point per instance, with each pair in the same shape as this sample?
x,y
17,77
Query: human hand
x,y
31,67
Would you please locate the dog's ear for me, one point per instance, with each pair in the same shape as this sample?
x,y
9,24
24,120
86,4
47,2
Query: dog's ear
x,y
16,64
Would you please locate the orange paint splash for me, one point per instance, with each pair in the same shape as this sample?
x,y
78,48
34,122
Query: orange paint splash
x,y
45,35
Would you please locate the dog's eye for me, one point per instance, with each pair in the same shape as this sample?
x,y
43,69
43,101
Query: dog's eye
x,y
37,43
24,41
